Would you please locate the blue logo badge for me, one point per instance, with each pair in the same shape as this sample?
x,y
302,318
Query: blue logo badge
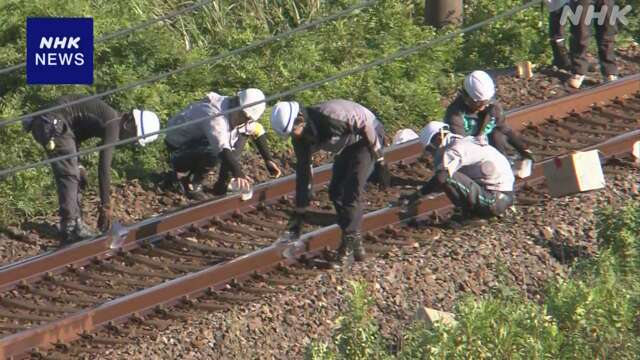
x,y
59,50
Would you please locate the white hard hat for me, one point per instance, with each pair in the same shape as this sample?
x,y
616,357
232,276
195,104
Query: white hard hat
x,y
283,116
479,86
430,130
404,135
250,96
146,122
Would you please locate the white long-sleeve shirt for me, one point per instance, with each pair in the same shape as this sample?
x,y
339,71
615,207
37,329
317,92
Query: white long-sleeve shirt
x,y
481,162
216,129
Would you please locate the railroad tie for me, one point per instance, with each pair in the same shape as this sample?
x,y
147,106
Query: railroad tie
x,y
48,308
28,317
75,299
135,272
88,289
224,252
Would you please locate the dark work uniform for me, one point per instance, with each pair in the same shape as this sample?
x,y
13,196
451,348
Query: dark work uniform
x,y
354,134
68,128
490,121
475,176
556,30
605,37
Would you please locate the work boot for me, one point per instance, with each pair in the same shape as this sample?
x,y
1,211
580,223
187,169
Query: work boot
x,y
190,187
358,248
195,192
183,180
464,219
75,230
220,188
344,255
561,58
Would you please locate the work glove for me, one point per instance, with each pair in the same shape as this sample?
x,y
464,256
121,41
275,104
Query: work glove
x,y
527,154
104,218
241,184
84,179
274,169
381,174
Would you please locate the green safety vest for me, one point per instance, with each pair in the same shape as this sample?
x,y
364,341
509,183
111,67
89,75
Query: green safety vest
x,y
471,125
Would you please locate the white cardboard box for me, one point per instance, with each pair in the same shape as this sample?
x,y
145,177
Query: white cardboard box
x,y
432,316
577,172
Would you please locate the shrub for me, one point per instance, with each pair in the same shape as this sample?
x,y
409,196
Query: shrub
x,y
619,231
597,312
505,42
357,336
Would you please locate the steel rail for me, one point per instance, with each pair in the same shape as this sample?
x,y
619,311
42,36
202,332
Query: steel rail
x,y
32,269
238,269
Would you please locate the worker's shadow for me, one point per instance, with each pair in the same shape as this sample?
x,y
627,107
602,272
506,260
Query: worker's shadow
x,y
564,252
43,229
401,181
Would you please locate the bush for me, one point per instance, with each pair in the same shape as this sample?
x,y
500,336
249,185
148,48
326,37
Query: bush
x,y
505,42
619,231
597,312
498,328
357,336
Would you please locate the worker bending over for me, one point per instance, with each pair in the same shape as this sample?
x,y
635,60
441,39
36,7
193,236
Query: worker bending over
x,y
62,131
476,177
196,148
475,112
356,136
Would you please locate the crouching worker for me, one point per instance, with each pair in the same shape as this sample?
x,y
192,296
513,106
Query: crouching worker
x,y
475,112
476,177
196,148
355,135
62,131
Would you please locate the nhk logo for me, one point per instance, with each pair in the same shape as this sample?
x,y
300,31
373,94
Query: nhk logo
x,y
574,13
59,50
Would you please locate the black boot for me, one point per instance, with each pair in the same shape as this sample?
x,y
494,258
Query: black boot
x,y
191,186
358,249
561,58
220,188
196,193
344,254
75,230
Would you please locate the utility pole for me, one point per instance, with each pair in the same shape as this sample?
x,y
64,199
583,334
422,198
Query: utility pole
x,y
439,13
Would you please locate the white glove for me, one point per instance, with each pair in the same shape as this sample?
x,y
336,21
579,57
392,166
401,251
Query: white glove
x,y
242,185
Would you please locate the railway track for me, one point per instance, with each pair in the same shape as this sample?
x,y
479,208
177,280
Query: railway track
x,y
221,248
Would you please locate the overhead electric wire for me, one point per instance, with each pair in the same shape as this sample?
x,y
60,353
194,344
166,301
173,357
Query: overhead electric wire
x,y
126,31
184,68
380,61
